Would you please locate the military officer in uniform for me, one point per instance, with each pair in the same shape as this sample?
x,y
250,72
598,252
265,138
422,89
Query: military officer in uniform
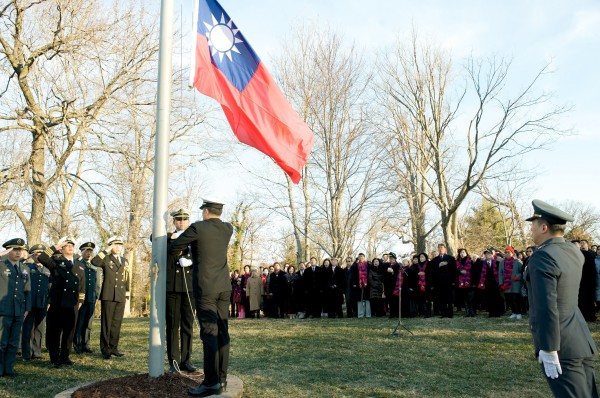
x,y
208,240
113,295
85,316
35,321
561,338
180,316
66,296
15,303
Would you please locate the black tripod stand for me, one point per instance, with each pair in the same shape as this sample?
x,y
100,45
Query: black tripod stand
x,y
396,332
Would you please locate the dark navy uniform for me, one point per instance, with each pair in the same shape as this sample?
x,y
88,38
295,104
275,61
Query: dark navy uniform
x,y
560,333
113,297
179,316
85,315
208,241
35,322
67,291
15,301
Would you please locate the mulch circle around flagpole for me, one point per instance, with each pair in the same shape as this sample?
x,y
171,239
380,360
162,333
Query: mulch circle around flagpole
x,y
172,385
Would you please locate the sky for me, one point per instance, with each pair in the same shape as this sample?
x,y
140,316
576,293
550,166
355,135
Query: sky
x,y
534,33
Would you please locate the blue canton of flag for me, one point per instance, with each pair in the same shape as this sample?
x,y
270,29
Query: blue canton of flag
x,y
229,50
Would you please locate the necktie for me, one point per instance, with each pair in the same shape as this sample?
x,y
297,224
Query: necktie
x,y
16,268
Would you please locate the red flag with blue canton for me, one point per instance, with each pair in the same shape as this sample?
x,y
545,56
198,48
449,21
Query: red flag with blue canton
x,y
226,68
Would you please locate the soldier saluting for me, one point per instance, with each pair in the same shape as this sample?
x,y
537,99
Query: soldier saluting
x,y
86,312
14,304
66,295
113,295
34,324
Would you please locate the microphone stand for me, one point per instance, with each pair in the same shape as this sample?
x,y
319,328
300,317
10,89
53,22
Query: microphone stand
x,y
396,332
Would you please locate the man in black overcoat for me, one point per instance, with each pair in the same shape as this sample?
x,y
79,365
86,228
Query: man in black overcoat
x,y
208,241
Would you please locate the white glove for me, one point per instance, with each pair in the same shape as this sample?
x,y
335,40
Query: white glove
x,y
551,363
175,235
185,262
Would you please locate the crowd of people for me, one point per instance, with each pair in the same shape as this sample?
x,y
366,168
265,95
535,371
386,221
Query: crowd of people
x,y
419,285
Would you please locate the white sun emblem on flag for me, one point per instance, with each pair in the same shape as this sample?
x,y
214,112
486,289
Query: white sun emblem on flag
x,y
222,37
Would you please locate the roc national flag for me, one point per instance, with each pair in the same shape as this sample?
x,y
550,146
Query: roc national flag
x,y
226,68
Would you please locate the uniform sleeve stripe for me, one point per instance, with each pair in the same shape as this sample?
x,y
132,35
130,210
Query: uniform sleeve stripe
x,y
49,251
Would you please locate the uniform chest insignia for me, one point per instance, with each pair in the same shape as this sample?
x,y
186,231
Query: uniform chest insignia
x,y
7,271
62,265
81,268
24,272
33,271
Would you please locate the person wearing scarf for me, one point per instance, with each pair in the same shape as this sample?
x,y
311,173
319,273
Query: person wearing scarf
x,y
360,285
424,291
464,291
391,269
513,279
490,283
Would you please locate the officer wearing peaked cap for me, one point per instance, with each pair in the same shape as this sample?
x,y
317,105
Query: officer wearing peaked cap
x,y
35,322
113,296
15,303
66,296
561,338
85,317
208,240
179,316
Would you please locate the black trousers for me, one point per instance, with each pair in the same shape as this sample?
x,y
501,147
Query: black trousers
x,y
33,325
577,380
212,311
10,327
60,331
83,326
180,327
111,318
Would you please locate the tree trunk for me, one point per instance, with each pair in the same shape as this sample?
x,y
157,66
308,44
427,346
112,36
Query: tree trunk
x,y
35,225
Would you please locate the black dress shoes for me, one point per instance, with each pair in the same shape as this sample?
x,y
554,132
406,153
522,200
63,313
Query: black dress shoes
x,y
56,365
67,362
106,355
88,349
204,391
118,354
188,367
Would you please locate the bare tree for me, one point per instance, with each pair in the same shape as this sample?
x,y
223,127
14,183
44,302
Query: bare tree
x,y
467,151
60,78
587,220
408,159
328,83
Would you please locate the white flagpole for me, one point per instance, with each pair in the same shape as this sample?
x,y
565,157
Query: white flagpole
x,y
159,215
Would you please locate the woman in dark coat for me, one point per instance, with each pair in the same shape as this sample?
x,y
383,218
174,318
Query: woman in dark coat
x,y
375,280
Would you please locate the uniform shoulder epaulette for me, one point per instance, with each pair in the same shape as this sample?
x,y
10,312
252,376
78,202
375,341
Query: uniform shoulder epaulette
x,y
49,251
101,255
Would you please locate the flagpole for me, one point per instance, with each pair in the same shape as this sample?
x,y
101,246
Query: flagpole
x,y
161,169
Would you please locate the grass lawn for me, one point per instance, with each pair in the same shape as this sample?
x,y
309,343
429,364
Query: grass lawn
x,y
459,357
